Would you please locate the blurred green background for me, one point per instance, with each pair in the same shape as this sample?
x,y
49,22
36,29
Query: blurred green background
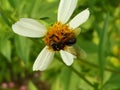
x,y
100,39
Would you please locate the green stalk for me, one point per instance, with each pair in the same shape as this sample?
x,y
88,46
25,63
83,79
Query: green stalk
x,y
78,73
81,76
102,47
96,66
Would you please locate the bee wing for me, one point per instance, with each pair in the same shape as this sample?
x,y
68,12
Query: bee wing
x,y
81,54
71,50
77,31
77,51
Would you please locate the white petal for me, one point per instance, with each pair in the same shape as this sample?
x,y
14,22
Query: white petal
x,y
67,57
43,59
79,19
65,10
29,28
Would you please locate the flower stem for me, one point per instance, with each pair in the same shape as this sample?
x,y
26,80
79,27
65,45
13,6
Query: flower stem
x,y
81,76
78,73
96,66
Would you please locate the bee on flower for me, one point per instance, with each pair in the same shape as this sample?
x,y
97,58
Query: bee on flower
x,y
58,38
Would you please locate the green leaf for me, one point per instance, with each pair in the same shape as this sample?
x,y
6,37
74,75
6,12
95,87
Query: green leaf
x,y
23,47
74,82
5,17
31,86
102,47
5,49
57,84
88,46
68,79
107,76
12,3
50,10
5,45
113,83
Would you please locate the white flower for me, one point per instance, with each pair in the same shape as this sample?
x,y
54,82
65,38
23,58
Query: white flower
x,y
55,39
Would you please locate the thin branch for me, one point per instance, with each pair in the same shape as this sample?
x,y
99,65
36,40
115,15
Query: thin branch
x,y
78,73
96,66
81,76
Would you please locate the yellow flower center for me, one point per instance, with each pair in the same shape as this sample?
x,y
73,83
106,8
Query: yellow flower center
x,y
59,36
